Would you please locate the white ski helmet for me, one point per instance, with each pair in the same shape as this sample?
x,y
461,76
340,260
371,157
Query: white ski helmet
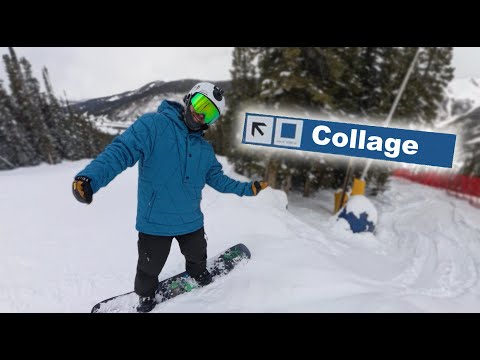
x,y
212,92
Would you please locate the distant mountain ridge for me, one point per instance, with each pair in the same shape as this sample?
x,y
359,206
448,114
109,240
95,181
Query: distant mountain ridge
x,y
115,112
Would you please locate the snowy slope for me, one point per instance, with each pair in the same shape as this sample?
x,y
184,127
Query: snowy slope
x,y
466,89
61,256
462,97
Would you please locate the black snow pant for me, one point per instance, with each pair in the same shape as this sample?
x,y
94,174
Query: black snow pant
x,y
153,252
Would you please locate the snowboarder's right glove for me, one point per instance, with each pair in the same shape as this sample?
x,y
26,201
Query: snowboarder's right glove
x,y
258,186
82,189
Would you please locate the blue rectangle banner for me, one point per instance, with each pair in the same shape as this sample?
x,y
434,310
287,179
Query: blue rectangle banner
x,y
365,141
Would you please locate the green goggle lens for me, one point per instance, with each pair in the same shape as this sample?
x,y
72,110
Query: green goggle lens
x,y
202,105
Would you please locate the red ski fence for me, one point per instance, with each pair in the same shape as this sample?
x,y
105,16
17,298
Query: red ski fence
x,y
468,185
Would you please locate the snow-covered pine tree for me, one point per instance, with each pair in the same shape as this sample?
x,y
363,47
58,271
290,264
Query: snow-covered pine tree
x,y
425,91
25,107
299,80
41,126
15,149
469,126
36,127
244,91
57,120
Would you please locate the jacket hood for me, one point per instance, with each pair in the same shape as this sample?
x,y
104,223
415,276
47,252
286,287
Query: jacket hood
x,y
176,112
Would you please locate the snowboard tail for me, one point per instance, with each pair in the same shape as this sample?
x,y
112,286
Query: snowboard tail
x,y
182,283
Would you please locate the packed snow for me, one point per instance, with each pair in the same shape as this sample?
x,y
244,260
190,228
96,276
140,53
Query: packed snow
x,y
358,204
58,255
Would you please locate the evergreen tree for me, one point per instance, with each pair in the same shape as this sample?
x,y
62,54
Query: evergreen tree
x,y
426,88
25,99
370,80
370,77
470,132
15,148
243,92
472,161
36,127
299,79
347,92
55,119
244,87
373,76
35,111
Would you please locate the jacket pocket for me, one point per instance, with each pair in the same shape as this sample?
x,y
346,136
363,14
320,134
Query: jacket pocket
x,y
192,190
150,205
196,192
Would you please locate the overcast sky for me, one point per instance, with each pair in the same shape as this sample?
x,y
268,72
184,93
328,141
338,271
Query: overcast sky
x,y
94,72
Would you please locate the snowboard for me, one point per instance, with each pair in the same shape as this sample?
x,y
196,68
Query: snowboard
x,y
182,283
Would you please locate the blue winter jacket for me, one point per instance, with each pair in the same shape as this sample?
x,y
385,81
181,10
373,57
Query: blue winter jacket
x,y
174,166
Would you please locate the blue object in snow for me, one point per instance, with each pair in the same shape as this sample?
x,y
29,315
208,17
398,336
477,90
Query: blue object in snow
x,y
360,213
358,224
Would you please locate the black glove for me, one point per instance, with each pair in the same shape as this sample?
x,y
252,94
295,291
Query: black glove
x,y
82,189
258,186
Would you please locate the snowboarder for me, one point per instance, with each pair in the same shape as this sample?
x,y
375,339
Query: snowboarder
x,y
175,163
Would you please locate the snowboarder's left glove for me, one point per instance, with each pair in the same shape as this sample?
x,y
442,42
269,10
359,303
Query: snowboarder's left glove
x,y
258,186
82,189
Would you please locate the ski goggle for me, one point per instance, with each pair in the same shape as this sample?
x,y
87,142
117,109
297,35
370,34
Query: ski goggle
x,y
202,105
